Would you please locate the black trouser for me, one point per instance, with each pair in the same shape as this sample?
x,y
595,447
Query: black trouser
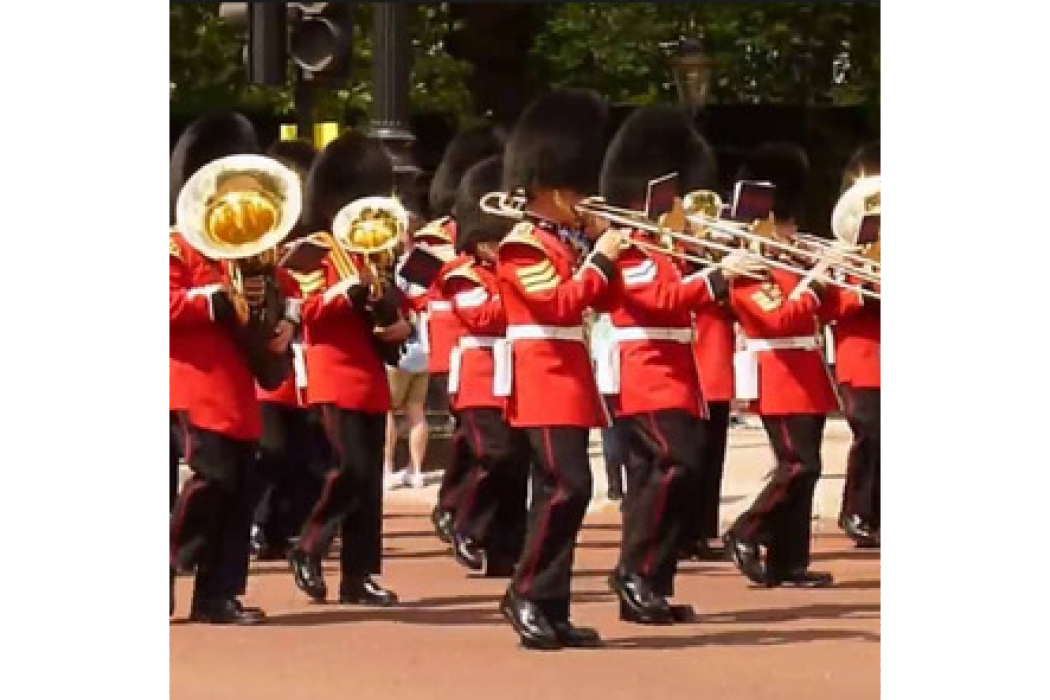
x,y
613,451
663,462
351,499
175,451
781,515
705,491
492,508
211,523
288,457
861,495
457,472
561,489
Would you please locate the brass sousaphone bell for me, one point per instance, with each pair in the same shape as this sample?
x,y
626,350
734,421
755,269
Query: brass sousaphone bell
x,y
237,210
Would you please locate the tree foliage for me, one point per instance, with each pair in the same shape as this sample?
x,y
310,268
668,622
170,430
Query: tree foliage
x,y
808,53
803,53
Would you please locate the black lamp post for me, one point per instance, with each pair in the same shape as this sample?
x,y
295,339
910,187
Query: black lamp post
x,y
391,54
692,69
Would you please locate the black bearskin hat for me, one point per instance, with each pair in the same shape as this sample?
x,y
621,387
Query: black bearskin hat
x,y
299,155
350,167
466,149
865,161
473,225
654,141
204,140
557,143
786,165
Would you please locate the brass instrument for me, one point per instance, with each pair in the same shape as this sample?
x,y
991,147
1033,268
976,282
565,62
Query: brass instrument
x,y
372,228
236,210
512,206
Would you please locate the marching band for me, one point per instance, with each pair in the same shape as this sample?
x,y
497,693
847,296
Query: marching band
x,y
288,304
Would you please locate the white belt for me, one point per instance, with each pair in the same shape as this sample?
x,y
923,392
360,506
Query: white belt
x,y
805,342
503,350
529,332
607,359
439,306
466,342
299,365
470,342
677,335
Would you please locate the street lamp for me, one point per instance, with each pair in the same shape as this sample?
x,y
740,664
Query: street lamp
x,y
692,69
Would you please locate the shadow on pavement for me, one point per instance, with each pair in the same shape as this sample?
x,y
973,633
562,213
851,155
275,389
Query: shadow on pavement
x,y
756,638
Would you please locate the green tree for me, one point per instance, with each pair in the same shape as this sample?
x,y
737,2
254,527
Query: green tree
x,y
824,53
207,70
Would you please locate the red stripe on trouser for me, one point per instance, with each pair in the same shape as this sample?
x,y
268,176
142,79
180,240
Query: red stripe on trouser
x,y
470,495
313,524
852,457
530,568
187,446
661,503
779,491
179,520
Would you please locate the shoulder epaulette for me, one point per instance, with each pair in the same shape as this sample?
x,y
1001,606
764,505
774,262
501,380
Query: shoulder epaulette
x,y
522,234
173,246
465,271
435,229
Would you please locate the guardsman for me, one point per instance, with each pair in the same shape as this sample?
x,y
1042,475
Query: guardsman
x,y
650,372
489,529
442,329
352,319
857,333
795,393
546,281
212,381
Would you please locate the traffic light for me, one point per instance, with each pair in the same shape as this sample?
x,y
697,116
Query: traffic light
x,y
317,35
266,50
320,39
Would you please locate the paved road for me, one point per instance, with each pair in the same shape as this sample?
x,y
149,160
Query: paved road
x,y
447,639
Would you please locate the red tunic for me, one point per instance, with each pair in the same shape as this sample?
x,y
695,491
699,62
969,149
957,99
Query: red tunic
x,y
714,348
792,381
552,379
343,365
287,394
473,291
209,376
656,299
443,328
858,334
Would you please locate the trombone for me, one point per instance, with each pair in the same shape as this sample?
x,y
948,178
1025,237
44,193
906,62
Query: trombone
x,y
512,206
733,238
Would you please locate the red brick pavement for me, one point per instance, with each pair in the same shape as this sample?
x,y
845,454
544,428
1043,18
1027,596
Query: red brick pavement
x,y
447,640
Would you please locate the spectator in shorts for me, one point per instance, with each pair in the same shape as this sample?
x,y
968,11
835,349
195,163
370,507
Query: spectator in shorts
x,y
408,394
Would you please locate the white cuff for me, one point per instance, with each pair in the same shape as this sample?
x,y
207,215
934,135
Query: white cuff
x,y
207,291
293,310
339,289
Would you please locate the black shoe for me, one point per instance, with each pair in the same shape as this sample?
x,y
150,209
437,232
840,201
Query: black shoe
x,y
802,579
529,622
467,553
683,614
859,531
364,590
638,602
258,540
614,495
226,612
308,574
442,521
569,635
746,557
